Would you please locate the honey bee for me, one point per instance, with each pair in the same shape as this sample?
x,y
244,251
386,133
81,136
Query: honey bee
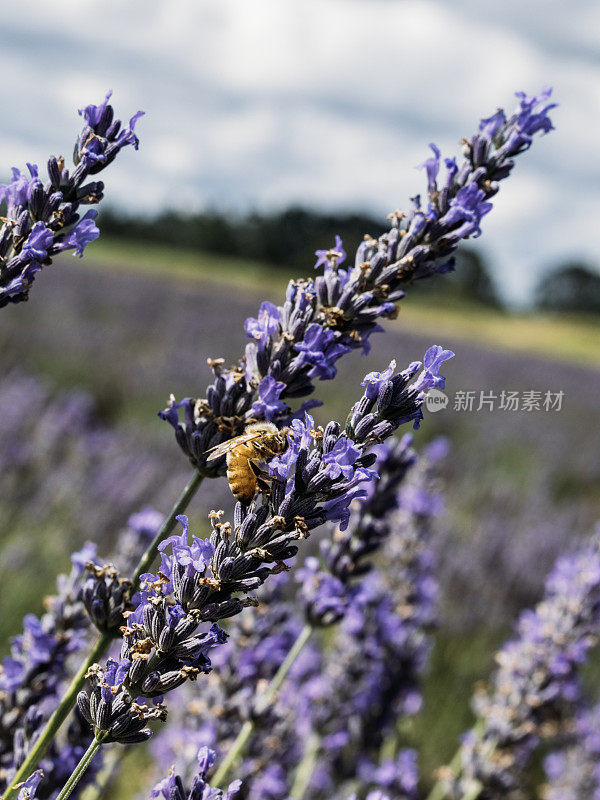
x,y
259,442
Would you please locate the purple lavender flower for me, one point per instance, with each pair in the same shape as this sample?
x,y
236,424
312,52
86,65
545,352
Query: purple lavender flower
x,y
265,325
357,694
103,136
268,406
430,378
573,770
331,258
105,596
259,642
319,350
374,381
283,467
84,232
466,211
194,558
528,120
32,677
537,682
341,458
432,167
399,777
37,243
202,582
267,633
324,596
42,220
172,788
17,192
28,790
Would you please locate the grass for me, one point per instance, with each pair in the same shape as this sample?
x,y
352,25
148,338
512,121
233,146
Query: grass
x,y
569,338
183,265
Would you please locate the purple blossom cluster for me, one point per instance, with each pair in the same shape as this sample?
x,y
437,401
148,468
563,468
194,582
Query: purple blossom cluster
x,y
172,787
324,318
62,468
537,685
325,590
33,675
370,682
259,641
573,770
41,219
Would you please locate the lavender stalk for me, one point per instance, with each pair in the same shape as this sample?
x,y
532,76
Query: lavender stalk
x,y
382,648
264,700
42,220
99,648
573,771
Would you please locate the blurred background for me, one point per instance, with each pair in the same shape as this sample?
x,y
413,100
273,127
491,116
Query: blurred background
x,y
270,128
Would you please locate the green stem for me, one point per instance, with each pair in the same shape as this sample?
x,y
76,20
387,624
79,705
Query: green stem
x,y
266,699
473,792
110,763
439,790
100,647
167,527
305,768
60,714
80,769
455,766
283,670
234,751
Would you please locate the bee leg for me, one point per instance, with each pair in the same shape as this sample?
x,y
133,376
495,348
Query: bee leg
x,y
262,481
254,464
265,482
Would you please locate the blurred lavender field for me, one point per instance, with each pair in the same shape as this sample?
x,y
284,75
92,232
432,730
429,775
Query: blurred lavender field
x,y
88,362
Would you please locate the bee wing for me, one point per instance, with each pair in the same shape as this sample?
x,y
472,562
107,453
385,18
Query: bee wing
x,y
226,447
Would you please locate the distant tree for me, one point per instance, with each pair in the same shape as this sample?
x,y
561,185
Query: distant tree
x,y
470,280
287,239
570,287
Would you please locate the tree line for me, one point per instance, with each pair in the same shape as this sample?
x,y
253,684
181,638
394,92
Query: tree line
x,y
289,238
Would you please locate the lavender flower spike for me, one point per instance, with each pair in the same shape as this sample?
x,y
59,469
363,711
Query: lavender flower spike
x,y
42,220
536,686
32,675
326,590
322,319
356,699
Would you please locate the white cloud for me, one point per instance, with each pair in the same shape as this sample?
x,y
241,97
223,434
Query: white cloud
x,y
330,102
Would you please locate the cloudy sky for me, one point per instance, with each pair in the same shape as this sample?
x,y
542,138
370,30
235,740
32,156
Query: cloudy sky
x,y
263,103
